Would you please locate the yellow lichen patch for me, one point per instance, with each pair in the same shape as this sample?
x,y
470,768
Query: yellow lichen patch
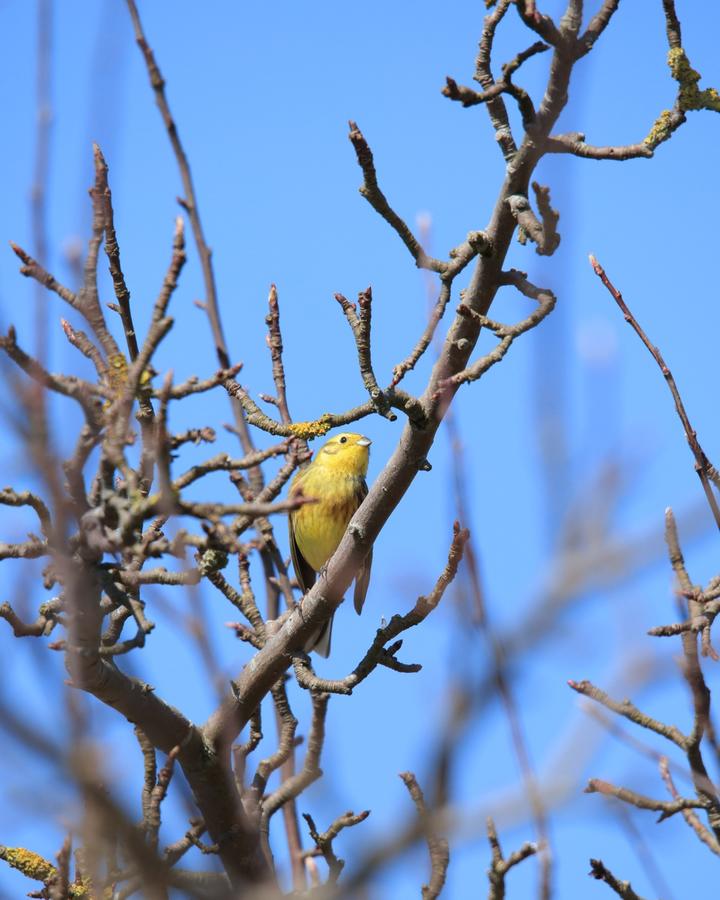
x,y
31,864
38,868
680,67
661,129
117,373
690,97
310,430
80,889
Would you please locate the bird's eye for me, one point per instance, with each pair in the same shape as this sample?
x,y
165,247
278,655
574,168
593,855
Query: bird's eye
x,y
343,440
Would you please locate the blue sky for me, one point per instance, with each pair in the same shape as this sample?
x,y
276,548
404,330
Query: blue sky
x,y
262,94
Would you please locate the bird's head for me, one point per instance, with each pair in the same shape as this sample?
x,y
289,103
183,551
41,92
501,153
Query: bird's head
x,y
346,453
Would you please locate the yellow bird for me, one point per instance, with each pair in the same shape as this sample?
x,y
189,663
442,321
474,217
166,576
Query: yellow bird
x,y
336,477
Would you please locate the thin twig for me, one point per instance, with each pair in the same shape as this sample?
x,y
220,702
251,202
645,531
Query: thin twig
x,y
703,467
630,711
190,203
500,865
323,842
360,325
437,846
666,808
703,833
599,871
378,653
274,342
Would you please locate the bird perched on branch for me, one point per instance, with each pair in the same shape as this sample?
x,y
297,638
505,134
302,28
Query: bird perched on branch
x,y
336,478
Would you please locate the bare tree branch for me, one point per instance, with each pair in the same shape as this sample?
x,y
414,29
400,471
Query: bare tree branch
x,y
706,472
437,846
599,871
501,865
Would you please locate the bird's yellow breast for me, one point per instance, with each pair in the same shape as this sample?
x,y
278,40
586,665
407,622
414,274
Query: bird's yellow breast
x,y
319,527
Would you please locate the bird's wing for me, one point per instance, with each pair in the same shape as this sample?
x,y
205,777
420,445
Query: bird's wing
x,y
304,572
362,580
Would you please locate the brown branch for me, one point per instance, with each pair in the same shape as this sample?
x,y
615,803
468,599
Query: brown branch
x,y
360,326
88,297
175,267
190,203
31,268
10,497
291,822
476,243
707,797
677,560
538,22
112,251
47,619
549,216
495,106
480,616
376,198
204,435
703,467
397,398
469,97
596,26
174,852
248,511
166,728
267,494
150,777
666,808
689,96
696,624
574,143
506,333
310,771
83,392
157,795
274,342
244,601
240,752
599,871
700,830
323,842
31,549
437,846
543,234
195,386
285,743
500,865
672,24
629,711
82,342
205,757
409,363
225,463
378,654
700,693
59,886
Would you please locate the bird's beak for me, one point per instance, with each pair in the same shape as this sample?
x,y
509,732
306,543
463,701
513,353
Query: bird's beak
x,y
364,442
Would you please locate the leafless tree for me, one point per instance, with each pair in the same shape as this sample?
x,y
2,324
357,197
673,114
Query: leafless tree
x,y
114,522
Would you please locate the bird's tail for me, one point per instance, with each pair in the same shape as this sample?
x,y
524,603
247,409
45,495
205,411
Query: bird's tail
x,y
320,640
